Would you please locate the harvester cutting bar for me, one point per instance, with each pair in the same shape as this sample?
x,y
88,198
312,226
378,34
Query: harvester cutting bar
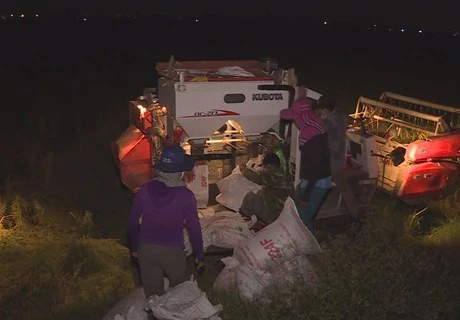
x,y
372,110
451,115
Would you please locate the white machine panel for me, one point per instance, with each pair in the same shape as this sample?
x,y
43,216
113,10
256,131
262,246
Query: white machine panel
x,y
362,148
254,110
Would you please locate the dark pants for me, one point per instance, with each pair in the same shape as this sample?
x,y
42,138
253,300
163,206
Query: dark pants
x,y
155,262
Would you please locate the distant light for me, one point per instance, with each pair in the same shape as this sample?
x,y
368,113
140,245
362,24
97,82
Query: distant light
x,y
196,20
403,30
22,16
420,31
11,15
325,22
390,29
375,25
84,19
36,16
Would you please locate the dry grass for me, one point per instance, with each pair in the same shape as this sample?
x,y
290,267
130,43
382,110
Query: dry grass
x,y
59,271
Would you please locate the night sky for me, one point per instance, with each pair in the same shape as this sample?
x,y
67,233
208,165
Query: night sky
x,y
438,14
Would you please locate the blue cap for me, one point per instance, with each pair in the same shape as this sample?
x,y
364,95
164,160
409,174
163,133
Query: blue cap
x,y
174,159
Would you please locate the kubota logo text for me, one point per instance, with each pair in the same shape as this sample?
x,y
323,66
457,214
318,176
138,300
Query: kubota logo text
x,y
212,113
266,96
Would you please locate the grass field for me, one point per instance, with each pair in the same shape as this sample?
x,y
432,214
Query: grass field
x,y
65,89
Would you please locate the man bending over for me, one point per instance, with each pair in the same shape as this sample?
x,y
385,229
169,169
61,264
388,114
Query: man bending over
x,y
268,202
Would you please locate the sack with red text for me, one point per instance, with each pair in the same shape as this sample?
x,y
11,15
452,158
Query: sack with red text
x,y
281,240
252,283
199,186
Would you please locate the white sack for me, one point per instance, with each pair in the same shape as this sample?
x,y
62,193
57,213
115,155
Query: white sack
x,y
224,229
199,186
183,302
233,189
226,280
282,240
252,283
206,212
131,307
234,71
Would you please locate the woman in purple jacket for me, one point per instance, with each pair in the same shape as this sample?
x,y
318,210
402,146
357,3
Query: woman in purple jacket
x,y
161,209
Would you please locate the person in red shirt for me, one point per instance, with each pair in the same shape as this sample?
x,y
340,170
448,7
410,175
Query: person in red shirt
x,y
315,171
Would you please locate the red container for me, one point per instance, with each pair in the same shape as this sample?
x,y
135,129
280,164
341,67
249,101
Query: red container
x,y
428,179
439,147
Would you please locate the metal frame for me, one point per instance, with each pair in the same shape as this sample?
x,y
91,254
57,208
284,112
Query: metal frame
x,y
450,115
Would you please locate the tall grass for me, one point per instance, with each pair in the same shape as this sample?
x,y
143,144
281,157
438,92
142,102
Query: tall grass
x,y
58,271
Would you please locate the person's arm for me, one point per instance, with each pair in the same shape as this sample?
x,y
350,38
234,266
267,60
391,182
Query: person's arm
x,y
134,216
291,112
252,175
192,223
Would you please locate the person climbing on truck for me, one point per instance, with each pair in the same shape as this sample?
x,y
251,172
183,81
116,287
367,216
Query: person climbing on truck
x,y
161,209
315,171
268,202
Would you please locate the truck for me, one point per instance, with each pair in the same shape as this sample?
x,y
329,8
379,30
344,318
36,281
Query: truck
x,y
227,112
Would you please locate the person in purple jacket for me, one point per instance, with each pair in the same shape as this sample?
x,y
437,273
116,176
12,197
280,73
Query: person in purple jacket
x,y
162,208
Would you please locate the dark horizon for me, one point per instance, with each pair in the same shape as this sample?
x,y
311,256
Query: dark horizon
x,y
416,14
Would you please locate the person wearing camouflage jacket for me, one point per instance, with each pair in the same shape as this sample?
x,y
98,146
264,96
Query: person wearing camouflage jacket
x,y
268,202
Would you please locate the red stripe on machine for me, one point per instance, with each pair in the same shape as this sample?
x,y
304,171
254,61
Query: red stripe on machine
x,y
212,113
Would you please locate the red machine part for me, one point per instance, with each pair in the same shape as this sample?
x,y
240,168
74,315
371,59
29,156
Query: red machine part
x,y
439,147
427,179
134,158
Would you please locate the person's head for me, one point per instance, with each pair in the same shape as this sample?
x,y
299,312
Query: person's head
x,y
174,159
324,106
271,162
301,91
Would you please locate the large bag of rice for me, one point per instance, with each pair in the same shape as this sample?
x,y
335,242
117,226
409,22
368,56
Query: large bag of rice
x,y
233,189
199,186
283,239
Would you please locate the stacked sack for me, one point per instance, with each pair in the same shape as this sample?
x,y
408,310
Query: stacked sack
x,y
224,229
275,256
233,189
